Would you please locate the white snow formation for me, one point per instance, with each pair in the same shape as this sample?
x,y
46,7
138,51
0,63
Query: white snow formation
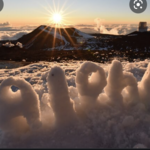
x,y
19,45
75,105
60,101
117,81
8,44
90,88
16,105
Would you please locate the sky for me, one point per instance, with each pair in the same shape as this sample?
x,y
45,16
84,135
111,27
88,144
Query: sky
x,y
37,12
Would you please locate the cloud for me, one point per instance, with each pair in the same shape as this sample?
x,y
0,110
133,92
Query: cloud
x,y
11,28
12,35
116,29
3,28
100,27
84,25
4,24
88,30
9,32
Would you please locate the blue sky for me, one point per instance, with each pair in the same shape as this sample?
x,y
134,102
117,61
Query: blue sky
x,y
26,12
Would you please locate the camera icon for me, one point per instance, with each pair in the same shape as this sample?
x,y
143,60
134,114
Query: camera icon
x,y
138,6
1,4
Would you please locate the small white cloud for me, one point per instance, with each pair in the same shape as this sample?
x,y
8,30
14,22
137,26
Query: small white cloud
x,y
5,24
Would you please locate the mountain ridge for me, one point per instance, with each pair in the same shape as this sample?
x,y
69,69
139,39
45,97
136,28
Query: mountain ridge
x,y
50,37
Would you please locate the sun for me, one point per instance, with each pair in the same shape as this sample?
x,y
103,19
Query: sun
x,y
57,18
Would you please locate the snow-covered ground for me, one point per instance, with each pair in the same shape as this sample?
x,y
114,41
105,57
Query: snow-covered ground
x,y
42,106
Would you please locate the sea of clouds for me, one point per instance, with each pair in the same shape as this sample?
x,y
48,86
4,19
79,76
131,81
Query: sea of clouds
x,y
9,32
101,27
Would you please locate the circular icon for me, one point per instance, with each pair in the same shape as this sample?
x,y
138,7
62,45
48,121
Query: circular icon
x,y
1,4
138,6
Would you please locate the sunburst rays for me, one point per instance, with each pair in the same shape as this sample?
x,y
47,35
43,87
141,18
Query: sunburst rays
x,y
58,20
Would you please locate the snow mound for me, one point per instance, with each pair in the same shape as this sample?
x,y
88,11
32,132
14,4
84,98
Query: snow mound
x,y
8,44
16,105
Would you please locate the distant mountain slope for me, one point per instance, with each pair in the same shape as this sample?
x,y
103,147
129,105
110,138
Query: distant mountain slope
x,y
140,33
45,37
